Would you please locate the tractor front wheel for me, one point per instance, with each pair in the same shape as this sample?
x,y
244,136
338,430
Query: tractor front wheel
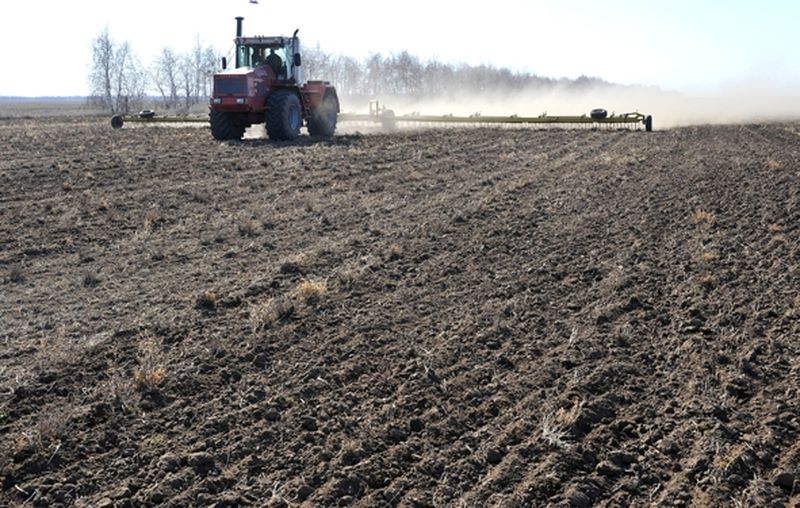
x,y
284,116
226,126
323,118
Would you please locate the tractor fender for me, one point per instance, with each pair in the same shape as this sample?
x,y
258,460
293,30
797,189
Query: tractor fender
x,y
331,91
315,92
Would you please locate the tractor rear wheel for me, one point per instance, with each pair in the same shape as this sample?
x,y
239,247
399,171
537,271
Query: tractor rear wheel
x,y
284,116
323,118
225,126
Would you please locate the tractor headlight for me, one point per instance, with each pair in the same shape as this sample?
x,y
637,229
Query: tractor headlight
x,y
240,100
216,100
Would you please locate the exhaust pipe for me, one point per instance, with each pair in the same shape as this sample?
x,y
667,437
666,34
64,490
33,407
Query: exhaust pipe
x,y
239,20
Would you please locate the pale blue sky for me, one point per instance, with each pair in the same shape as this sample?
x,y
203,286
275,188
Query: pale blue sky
x,y
700,45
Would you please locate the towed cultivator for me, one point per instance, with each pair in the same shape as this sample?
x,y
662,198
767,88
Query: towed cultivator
x,y
597,119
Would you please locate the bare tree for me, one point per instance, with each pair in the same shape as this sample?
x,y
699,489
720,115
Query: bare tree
x,y
165,77
184,80
203,62
131,80
316,63
208,66
102,70
116,80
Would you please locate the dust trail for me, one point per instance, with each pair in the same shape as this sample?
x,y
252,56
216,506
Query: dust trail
x,y
735,104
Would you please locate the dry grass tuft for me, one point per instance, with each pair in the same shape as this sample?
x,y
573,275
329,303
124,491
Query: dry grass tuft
x,y
264,314
556,422
294,264
48,431
207,300
311,290
57,349
708,280
774,164
703,217
774,228
151,372
394,252
145,231
248,228
708,257
119,391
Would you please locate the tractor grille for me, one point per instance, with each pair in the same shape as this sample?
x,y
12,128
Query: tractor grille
x,y
230,86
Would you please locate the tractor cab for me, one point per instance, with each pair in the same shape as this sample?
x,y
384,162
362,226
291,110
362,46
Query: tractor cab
x,y
281,54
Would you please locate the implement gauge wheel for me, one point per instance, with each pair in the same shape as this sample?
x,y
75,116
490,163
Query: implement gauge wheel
x,y
599,114
648,123
116,122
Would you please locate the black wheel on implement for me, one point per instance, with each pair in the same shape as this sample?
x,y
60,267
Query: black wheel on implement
x,y
648,123
323,118
225,126
284,116
116,122
598,114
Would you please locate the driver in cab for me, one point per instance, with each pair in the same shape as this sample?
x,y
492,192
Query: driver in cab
x,y
275,62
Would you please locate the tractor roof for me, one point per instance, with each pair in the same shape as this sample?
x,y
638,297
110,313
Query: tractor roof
x,y
261,40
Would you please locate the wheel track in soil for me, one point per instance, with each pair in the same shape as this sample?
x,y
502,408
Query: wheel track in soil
x,y
507,429
510,195
515,187
290,347
534,472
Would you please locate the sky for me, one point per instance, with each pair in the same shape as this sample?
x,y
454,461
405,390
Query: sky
x,y
681,45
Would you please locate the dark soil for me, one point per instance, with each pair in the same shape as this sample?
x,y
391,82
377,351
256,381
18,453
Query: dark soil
x,y
476,317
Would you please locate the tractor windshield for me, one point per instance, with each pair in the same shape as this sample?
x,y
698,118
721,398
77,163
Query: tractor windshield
x,y
253,56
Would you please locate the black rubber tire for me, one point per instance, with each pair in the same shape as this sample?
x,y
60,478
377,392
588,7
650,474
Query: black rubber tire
x,y
116,122
284,116
225,126
323,119
599,114
648,123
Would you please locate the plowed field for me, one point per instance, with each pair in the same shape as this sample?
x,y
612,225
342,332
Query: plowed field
x,y
465,317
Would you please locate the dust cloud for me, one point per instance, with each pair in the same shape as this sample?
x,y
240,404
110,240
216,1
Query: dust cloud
x,y
733,104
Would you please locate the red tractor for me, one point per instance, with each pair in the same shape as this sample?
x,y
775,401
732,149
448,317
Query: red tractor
x,y
266,86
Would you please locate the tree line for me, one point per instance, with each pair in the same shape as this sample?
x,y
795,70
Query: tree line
x,y
404,74
120,83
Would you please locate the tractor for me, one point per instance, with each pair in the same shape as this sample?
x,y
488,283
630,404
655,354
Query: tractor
x,y
266,86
